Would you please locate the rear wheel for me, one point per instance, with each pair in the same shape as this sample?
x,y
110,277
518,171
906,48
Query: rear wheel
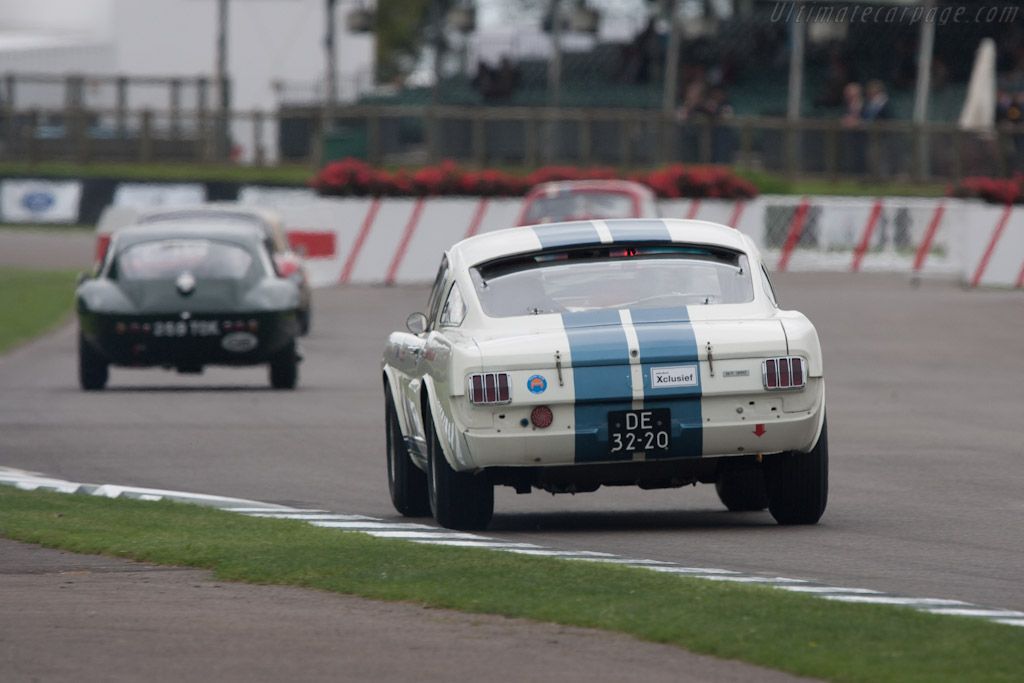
x,y
742,490
458,500
406,482
284,368
798,483
93,369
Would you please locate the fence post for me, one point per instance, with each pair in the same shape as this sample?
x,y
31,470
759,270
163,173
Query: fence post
x,y
625,143
832,151
78,132
705,141
33,136
373,146
431,133
530,136
175,104
585,141
259,149
146,137
479,138
10,81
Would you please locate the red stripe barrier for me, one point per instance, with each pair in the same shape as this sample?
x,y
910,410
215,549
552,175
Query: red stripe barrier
x,y
1020,279
410,228
991,245
694,208
353,254
926,244
313,244
737,212
478,217
869,231
795,228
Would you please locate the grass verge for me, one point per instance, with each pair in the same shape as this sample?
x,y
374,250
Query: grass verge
x,y
767,627
299,175
33,302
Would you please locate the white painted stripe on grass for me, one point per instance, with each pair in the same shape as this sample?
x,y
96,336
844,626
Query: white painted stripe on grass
x,y
896,600
408,535
830,589
691,570
976,612
488,543
309,518
265,511
1010,622
368,525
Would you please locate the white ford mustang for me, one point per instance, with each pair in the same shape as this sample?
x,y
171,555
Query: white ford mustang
x,y
568,356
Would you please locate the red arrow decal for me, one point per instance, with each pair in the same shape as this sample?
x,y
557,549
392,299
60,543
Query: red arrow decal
x,y
759,429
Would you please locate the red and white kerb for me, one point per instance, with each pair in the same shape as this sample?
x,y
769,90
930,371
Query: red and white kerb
x,y
786,372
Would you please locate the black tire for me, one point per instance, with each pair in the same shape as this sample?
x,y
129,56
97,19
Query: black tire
x,y
407,483
284,368
93,369
458,500
742,490
798,483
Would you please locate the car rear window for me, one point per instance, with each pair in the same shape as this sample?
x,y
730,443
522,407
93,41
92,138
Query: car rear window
x,y
612,278
579,206
169,258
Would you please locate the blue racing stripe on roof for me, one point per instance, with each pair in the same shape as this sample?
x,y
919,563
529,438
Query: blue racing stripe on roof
x,y
647,230
566,234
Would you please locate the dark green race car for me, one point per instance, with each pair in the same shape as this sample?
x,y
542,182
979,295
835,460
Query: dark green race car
x,y
186,296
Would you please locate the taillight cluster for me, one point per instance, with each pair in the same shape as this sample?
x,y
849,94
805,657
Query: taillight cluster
x,y
784,373
489,388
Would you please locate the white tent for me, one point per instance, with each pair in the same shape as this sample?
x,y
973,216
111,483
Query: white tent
x,y
979,112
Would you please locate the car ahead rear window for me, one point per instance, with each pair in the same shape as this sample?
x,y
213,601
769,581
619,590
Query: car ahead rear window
x,y
580,205
612,278
169,258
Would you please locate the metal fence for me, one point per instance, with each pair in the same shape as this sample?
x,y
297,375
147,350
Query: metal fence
x,y
514,136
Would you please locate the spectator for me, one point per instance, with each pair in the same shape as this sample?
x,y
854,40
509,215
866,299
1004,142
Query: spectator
x,y
876,108
853,101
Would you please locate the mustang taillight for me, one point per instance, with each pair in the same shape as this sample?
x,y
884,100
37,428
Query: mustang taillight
x,y
488,388
783,373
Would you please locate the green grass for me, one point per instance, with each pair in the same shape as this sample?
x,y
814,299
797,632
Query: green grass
x,y
770,183
767,183
33,302
796,633
163,172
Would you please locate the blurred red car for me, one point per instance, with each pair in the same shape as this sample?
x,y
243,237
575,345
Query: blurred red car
x,y
570,200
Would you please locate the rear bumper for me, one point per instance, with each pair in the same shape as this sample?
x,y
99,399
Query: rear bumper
x,y
702,427
240,338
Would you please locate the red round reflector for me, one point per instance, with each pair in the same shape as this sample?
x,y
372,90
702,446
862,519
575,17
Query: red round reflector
x,y
541,417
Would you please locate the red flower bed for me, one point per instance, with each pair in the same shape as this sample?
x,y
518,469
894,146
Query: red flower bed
x,y
352,177
995,190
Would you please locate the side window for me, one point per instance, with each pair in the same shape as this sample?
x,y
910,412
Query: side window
x,y
768,286
436,291
454,309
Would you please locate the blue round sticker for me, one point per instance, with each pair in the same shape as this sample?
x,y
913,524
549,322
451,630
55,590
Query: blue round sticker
x,y
536,384
38,201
